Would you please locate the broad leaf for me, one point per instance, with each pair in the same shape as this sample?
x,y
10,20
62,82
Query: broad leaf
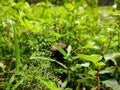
x,y
92,58
49,84
107,70
112,57
113,84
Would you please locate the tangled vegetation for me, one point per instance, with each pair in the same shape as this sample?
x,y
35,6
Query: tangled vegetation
x,y
28,32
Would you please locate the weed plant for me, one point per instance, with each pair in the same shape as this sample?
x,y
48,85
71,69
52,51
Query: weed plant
x,y
28,31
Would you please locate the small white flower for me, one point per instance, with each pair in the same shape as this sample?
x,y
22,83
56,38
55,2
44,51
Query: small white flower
x,y
114,6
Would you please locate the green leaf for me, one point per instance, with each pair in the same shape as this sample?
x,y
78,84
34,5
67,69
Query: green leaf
x,y
48,20
114,57
58,35
90,44
100,65
69,6
18,83
22,22
16,51
10,82
2,66
107,70
112,83
69,49
85,64
64,84
68,89
111,56
73,68
92,58
49,84
92,72
61,50
28,24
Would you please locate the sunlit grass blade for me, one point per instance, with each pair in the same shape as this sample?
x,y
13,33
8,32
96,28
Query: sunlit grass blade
x,y
49,59
16,51
62,51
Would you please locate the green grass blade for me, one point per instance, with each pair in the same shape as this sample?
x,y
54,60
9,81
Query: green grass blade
x,y
16,51
10,83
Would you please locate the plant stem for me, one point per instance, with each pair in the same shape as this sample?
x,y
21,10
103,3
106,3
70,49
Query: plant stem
x,y
118,40
109,42
97,79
